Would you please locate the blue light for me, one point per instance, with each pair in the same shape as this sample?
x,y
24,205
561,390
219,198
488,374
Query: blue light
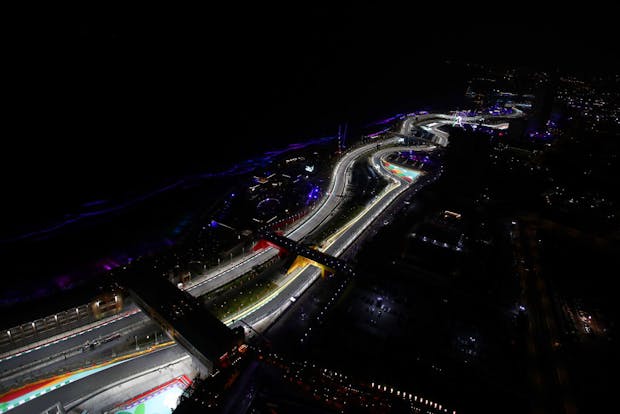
x,y
313,194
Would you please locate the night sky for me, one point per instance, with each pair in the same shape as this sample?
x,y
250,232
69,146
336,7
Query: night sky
x,y
134,89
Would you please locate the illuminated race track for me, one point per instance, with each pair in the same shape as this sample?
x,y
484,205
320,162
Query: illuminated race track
x,y
55,354
75,386
261,314
340,179
334,196
266,311
433,122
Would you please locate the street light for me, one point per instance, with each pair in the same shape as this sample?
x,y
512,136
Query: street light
x,y
136,338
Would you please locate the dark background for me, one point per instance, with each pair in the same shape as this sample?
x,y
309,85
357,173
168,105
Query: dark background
x,y
107,99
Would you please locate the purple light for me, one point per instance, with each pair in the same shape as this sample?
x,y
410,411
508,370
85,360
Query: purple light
x,y
376,134
63,281
386,120
93,203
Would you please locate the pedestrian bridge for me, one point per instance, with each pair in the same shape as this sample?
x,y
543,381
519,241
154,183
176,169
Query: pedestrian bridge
x,y
306,255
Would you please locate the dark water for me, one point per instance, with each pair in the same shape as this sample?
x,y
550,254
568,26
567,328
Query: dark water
x,y
91,185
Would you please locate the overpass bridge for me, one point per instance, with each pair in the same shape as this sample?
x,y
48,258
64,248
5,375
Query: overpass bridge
x,y
184,317
306,255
